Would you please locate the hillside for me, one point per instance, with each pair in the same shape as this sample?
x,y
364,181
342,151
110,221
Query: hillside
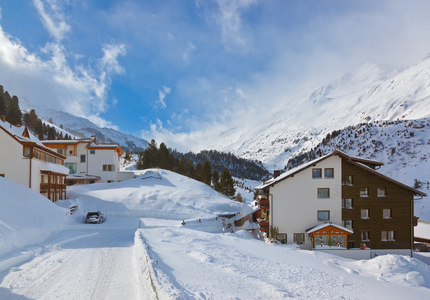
x,y
155,194
81,127
369,95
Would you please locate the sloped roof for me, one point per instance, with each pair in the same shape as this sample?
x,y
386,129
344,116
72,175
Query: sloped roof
x,y
324,225
366,164
23,136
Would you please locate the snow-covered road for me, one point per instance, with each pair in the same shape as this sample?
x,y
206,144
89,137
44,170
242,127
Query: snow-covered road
x,y
83,262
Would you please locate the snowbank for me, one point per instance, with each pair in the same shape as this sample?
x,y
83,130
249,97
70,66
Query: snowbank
x,y
154,282
26,217
397,269
193,262
155,194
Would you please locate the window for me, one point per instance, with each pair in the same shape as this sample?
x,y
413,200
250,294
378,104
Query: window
x,y
347,203
316,173
70,152
82,158
72,167
60,151
365,236
364,192
328,173
381,191
386,213
347,180
322,240
323,192
108,168
365,213
299,238
323,215
347,224
282,237
387,236
26,152
92,151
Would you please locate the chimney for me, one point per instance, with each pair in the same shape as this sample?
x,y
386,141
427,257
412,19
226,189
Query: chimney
x,y
3,118
276,173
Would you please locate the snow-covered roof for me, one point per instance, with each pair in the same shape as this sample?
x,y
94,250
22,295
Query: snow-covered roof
x,y
20,133
82,177
56,168
63,141
366,164
291,172
324,225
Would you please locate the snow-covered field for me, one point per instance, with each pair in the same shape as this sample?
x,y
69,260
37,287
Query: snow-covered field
x,y
53,255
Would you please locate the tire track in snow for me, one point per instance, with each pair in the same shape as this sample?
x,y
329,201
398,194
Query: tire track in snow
x,y
93,263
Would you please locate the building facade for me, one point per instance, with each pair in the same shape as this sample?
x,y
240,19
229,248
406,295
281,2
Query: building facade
x,y
90,162
24,159
369,208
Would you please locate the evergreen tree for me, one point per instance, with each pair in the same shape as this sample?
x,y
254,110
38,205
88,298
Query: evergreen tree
x,y
51,133
31,120
164,161
227,184
2,106
239,198
198,172
14,115
189,169
181,169
206,173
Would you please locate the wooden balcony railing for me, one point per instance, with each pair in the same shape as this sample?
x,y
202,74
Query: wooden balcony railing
x,y
263,203
53,186
263,225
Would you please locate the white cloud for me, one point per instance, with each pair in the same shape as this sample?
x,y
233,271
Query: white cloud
x,y
162,95
53,18
190,49
229,18
96,119
109,61
52,82
195,140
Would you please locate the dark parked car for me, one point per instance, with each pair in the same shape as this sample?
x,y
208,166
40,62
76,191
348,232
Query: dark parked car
x,y
94,217
421,247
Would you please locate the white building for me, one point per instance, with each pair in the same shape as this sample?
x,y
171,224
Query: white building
x,y
338,200
90,162
24,159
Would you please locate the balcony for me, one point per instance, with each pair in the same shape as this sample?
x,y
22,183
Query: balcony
x,y
263,202
44,187
263,225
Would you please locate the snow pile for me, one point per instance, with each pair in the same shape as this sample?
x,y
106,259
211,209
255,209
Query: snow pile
x,y
397,269
155,194
26,217
192,263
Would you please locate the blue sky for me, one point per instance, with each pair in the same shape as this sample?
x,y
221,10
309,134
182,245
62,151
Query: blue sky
x,y
183,71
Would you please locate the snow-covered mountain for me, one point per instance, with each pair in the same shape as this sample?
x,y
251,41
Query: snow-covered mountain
x,y
367,96
364,97
83,128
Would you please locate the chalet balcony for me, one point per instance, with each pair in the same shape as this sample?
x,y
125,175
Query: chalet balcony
x,y
263,203
44,187
263,225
